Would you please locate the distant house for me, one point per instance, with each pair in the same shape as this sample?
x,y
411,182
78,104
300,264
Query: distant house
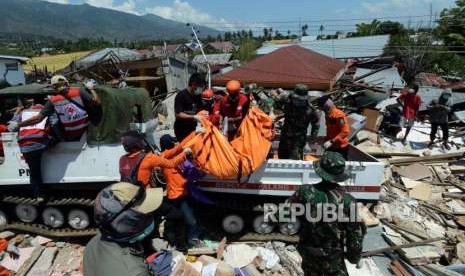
x,y
345,48
217,62
221,46
122,54
11,69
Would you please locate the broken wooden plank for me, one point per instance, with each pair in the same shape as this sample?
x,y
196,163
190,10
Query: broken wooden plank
x,y
24,269
447,156
453,195
397,247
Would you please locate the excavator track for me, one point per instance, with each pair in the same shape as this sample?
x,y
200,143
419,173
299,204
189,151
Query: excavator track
x,y
45,231
49,202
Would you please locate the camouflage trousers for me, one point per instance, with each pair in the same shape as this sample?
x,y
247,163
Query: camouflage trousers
x,y
328,265
291,147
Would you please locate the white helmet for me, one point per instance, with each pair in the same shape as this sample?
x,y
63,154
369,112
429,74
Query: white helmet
x,y
58,79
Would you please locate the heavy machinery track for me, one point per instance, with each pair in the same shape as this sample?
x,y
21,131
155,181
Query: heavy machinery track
x,y
43,230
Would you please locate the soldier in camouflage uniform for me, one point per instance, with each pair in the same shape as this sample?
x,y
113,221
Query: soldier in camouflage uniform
x,y
298,114
322,243
259,97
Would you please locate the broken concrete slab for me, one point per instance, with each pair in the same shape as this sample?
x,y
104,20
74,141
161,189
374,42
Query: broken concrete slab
x,y
14,265
416,171
422,191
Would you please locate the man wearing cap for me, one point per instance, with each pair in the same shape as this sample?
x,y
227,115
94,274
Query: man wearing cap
x,y
439,112
71,104
234,106
337,128
323,242
298,114
410,102
124,214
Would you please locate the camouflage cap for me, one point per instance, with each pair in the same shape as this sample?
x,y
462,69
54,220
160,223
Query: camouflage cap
x,y
331,167
250,88
301,89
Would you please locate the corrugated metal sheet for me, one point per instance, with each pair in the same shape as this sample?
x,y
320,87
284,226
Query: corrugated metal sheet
x,y
18,58
287,67
214,59
354,47
387,78
123,54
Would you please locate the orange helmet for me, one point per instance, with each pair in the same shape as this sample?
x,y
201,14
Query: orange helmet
x,y
208,94
233,87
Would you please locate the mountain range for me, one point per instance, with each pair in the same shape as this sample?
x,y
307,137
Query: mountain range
x,y
40,18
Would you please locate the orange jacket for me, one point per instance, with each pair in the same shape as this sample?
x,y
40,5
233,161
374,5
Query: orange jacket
x,y
152,161
3,247
175,182
337,128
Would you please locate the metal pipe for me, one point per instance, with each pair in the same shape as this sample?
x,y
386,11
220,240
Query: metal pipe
x,y
194,31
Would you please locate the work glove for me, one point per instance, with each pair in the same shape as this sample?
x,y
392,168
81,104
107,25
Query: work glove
x,y
327,144
198,118
90,84
199,129
13,126
13,251
188,152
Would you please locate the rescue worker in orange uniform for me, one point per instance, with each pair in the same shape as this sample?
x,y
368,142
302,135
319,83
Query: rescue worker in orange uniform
x,y
234,107
212,104
12,250
337,128
137,166
177,192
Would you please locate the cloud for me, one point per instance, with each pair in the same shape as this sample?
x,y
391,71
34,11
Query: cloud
x,y
402,7
182,11
58,1
128,6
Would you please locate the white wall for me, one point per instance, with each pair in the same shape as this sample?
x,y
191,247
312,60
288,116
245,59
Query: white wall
x,y
12,77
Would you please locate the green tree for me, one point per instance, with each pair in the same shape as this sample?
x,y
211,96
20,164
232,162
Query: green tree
x,y
367,29
304,30
452,25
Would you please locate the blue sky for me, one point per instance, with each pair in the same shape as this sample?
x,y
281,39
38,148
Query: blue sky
x,y
278,14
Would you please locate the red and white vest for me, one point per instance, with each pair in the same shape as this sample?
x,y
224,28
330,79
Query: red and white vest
x,y
35,133
73,118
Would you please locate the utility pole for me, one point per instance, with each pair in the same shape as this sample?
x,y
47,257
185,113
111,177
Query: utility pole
x,y
300,28
431,16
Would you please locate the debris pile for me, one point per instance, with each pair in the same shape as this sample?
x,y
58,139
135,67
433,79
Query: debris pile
x,y
42,256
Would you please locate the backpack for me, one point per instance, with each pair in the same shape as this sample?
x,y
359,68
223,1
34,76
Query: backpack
x,y
134,164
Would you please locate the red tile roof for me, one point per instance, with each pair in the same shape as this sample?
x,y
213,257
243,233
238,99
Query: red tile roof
x,y
286,67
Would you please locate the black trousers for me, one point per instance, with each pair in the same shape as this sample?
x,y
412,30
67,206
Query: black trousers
x,y
34,161
175,226
434,130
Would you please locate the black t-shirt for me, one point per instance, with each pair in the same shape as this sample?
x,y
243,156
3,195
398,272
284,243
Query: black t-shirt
x,y
189,104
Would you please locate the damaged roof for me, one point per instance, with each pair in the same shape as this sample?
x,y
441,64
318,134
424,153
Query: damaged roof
x,y
122,53
388,78
285,68
214,59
